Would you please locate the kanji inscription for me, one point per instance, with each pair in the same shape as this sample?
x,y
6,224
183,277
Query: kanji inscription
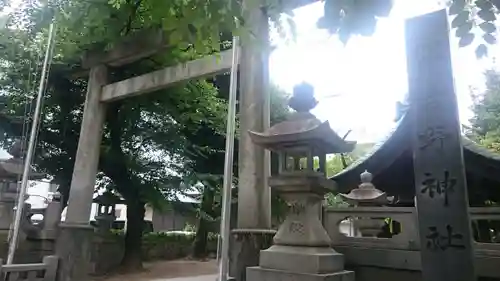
x,y
296,226
433,135
439,186
441,242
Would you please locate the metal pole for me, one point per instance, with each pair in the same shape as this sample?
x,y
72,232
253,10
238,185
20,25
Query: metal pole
x,y
225,228
31,148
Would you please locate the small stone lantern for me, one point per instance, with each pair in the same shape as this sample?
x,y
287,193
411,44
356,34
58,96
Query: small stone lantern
x,y
106,210
366,195
11,172
301,245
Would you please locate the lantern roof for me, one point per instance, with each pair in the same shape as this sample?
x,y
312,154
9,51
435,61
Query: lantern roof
x,y
366,193
302,128
107,198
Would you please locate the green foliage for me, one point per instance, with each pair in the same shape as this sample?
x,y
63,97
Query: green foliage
x,y
168,245
336,164
475,15
334,200
486,108
348,18
173,237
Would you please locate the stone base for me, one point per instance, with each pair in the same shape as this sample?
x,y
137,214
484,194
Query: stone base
x,y
245,247
74,246
264,274
312,260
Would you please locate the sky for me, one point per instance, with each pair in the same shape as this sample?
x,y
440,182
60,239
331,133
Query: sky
x,y
368,74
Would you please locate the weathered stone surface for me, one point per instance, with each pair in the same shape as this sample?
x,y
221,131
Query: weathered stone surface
x,y
441,189
254,195
245,250
157,80
302,226
314,260
263,274
89,145
74,247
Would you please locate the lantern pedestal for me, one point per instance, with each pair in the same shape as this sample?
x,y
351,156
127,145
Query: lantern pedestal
x,y
301,249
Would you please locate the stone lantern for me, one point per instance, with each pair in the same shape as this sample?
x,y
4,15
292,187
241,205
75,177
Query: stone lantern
x,y
366,195
105,216
301,249
11,172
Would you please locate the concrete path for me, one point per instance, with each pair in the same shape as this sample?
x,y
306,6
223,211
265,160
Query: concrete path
x,y
179,270
191,278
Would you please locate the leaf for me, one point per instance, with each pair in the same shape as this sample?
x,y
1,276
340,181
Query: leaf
x,y
481,51
488,27
456,7
332,7
496,3
463,29
460,19
175,37
344,35
466,40
487,15
368,26
489,38
382,7
484,4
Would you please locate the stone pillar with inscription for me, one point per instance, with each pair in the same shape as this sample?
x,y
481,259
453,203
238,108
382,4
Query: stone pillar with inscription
x,y
301,249
253,231
74,242
441,188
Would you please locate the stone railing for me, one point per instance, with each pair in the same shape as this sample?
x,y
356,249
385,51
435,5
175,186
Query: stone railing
x,y
400,250
44,271
339,224
47,227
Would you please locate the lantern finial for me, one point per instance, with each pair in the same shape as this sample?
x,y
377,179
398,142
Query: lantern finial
x,y
303,98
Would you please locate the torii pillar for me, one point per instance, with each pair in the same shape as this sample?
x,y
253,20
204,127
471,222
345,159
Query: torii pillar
x,y
253,231
73,245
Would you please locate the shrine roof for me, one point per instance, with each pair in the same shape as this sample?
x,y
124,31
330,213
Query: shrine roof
x,y
477,149
396,143
13,168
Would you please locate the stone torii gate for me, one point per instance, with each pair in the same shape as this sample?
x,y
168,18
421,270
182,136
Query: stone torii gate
x,y
74,241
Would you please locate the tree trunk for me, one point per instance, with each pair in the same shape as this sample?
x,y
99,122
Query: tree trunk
x,y
132,259
200,241
115,167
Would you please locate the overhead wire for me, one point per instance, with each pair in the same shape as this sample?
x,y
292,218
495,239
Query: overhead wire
x,y
49,67
31,145
28,111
